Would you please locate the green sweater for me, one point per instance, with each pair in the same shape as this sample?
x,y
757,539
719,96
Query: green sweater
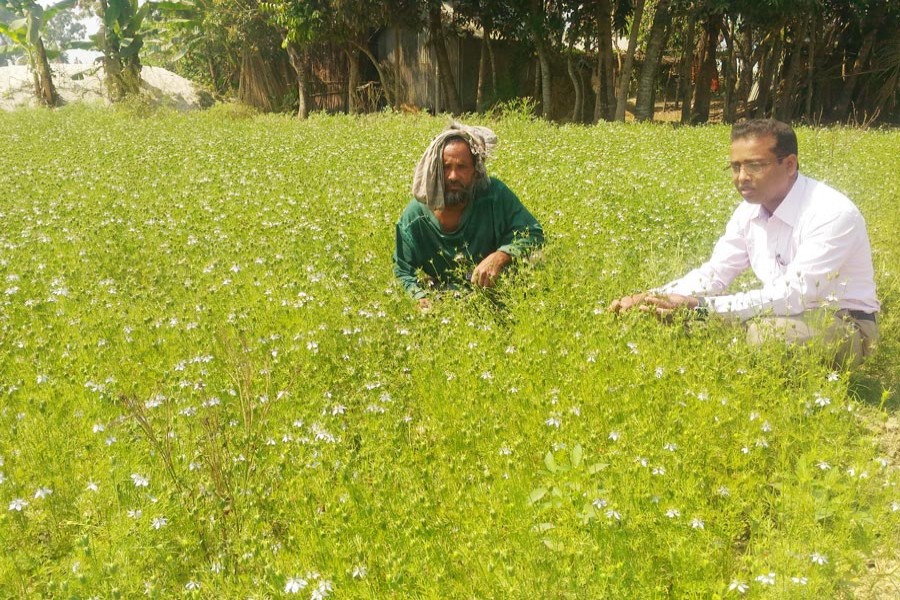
x,y
494,220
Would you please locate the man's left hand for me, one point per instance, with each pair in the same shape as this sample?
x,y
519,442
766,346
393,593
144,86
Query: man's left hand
x,y
489,269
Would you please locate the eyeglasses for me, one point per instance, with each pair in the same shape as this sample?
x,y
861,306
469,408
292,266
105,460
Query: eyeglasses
x,y
753,167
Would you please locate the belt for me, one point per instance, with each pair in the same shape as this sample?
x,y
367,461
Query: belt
x,y
861,315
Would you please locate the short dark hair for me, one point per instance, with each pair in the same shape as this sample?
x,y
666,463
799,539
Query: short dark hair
x,y
785,138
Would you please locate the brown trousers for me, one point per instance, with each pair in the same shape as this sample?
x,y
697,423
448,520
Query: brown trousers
x,y
847,340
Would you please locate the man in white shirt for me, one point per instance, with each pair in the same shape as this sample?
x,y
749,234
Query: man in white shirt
x,y
805,241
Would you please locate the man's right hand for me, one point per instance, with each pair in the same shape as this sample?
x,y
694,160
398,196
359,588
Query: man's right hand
x,y
626,303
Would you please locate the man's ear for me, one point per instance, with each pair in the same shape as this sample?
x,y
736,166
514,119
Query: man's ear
x,y
793,164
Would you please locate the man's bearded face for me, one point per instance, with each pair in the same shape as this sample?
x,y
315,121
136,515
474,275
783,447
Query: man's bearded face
x,y
459,173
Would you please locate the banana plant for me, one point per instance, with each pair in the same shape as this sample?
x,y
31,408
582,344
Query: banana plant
x,y
120,38
25,34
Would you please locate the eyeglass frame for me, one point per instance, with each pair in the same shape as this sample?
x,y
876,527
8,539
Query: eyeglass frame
x,y
756,169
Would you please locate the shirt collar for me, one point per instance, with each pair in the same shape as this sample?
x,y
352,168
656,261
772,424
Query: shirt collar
x,y
789,209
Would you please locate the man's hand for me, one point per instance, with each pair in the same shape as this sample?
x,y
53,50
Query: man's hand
x,y
487,271
663,305
423,304
626,303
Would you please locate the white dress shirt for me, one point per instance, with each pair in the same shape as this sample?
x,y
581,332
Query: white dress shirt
x,y
812,252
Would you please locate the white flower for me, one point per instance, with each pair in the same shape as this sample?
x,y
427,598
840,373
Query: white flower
x,y
659,470
822,401
553,422
739,586
659,372
895,506
823,465
613,515
294,585
159,522
135,513
614,436
670,447
42,492
139,480
599,503
673,513
192,585
92,487
766,578
697,523
818,559
723,491
360,572
18,504
322,590
798,580
833,376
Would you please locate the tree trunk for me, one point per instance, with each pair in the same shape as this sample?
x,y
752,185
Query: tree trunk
x,y
577,114
490,48
730,107
298,58
744,46
486,58
784,110
811,68
703,91
625,77
46,91
606,89
869,32
353,79
398,65
646,91
445,72
770,67
382,77
684,77
546,76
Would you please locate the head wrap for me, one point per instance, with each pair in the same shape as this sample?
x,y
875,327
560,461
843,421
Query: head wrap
x,y
428,179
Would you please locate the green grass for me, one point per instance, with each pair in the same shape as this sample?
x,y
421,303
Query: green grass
x,y
205,302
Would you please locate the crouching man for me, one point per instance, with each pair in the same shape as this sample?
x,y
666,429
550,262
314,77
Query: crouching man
x,y
806,243
462,224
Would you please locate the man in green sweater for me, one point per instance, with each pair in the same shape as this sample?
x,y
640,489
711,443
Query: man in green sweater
x,y
461,221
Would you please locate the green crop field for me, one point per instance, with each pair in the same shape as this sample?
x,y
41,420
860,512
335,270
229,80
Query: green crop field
x,y
211,386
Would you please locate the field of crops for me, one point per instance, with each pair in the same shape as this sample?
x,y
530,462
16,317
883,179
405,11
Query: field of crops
x,y
211,386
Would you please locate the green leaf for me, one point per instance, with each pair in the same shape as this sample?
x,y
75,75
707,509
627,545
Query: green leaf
x,y
537,494
52,11
597,467
577,454
550,462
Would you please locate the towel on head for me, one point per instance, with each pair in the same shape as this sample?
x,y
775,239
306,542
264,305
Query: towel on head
x,y
428,179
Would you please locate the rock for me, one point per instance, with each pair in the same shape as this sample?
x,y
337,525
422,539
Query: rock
x,y
84,83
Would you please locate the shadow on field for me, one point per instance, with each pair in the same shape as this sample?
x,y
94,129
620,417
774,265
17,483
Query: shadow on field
x,y
874,392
